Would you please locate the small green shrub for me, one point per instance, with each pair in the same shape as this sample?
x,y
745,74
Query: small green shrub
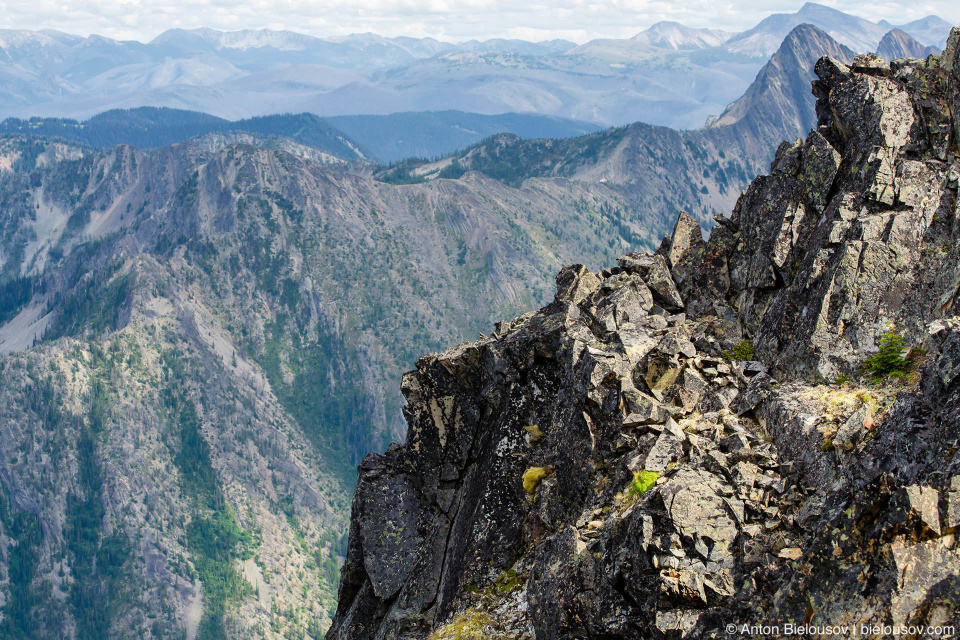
x,y
643,481
889,362
742,352
842,379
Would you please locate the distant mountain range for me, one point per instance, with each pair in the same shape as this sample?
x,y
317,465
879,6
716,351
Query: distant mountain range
x,y
384,139
669,74
656,169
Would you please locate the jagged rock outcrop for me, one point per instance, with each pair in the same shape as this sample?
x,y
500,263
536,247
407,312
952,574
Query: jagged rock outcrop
x,y
603,468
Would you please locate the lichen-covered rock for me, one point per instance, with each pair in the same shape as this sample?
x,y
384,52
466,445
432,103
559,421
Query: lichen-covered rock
x,y
670,491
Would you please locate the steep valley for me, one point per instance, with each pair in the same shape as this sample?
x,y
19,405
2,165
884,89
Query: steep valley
x,y
250,308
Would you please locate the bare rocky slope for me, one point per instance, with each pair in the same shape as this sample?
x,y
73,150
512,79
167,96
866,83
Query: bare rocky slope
x,y
606,467
779,99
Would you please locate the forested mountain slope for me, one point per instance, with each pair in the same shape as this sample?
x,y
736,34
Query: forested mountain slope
x,y
253,308
385,138
151,127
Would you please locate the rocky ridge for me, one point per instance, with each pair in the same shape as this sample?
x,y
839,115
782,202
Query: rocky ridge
x,y
779,100
611,467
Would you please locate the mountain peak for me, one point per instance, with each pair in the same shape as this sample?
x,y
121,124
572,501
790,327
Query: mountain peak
x,y
668,34
809,7
899,44
673,24
780,96
930,30
764,39
805,31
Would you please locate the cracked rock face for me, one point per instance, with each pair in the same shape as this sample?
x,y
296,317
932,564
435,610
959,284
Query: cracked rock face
x,y
602,468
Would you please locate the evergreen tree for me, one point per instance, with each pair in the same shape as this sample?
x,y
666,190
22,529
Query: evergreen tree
x,y
889,360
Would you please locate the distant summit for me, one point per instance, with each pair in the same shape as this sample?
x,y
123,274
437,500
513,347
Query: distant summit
x,y
673,35
764,39
899,44
931,30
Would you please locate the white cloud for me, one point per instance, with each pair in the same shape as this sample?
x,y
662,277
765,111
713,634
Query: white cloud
x,y
454,20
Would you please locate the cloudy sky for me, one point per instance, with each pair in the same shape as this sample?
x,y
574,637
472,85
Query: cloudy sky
x,y
451,20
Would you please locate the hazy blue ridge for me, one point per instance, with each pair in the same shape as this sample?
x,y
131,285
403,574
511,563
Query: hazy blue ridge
x,y
432,134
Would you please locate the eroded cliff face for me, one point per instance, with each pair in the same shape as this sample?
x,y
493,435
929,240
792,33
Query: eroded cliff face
x,y
602,468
